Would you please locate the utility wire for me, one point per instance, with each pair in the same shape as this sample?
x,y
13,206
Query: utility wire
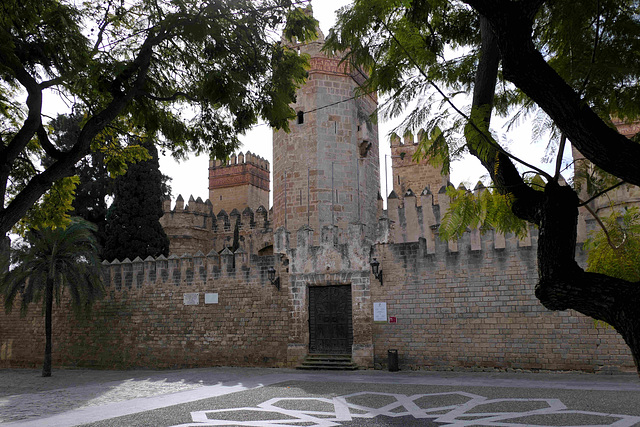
x,y
324,106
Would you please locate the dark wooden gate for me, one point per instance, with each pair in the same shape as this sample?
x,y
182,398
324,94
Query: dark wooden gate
x,y
330,327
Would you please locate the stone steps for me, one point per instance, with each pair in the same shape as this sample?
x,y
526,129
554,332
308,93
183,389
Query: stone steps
x,y
335,362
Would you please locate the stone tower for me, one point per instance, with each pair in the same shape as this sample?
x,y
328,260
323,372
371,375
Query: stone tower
x,y
326,169
409,174
240,182
622,197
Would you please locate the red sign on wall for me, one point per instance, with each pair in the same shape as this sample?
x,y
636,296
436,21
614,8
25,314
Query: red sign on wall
x,y
392,319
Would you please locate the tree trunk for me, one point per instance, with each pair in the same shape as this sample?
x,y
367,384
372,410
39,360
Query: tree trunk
x,y
564,285
46,366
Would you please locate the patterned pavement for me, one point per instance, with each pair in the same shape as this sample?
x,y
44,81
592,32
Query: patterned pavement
x,y
444,409
285,398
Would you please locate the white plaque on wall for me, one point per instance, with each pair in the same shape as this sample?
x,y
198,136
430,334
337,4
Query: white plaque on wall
x,y
379,311
210,298
191,299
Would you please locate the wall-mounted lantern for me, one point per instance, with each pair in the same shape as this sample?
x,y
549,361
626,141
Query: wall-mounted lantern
x,y
375,269
271,274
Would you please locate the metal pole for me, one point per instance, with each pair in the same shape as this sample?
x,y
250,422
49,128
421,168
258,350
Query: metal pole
x,y
358,194
308,203
332,200
386,181
285,200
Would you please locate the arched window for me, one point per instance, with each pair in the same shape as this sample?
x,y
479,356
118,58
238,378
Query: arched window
x,y
300,117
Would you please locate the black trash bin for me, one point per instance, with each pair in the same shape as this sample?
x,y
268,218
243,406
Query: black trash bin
x,y
392,362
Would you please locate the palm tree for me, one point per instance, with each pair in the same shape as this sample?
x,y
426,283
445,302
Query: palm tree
x,y
49,260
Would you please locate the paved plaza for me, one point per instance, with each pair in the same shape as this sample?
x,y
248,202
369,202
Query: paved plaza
x,y
284,397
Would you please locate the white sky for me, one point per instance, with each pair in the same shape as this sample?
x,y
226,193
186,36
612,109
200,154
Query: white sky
x,y
190,177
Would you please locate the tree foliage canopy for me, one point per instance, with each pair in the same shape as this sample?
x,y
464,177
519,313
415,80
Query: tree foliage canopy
x,y
190,74
424,54
68,256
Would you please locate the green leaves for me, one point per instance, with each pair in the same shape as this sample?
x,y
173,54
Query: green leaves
x,y
65,255
300,25
191,75
615,252
433,147
53,210
593,46
483,209
403,45
133,220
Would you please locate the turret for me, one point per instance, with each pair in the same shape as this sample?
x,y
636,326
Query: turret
x,y
238,183
407,173
326,169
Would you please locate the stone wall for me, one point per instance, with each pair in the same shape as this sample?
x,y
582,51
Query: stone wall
x,y
155,315
334,261
326,170
470,302
476,308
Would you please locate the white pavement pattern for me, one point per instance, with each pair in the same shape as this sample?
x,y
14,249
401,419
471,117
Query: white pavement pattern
x,y
136,392
472,412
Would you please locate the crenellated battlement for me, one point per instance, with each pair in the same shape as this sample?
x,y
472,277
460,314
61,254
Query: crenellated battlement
x,y
186,270
407,173
221,221
241,159
196,226
414,217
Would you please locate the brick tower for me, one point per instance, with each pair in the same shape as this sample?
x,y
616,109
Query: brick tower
x,y
241,182
409,174
326,169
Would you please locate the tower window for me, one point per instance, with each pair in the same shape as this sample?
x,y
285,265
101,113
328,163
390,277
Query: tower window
x,y
300,117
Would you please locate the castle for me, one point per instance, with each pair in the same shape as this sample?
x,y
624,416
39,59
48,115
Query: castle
x,y
249,286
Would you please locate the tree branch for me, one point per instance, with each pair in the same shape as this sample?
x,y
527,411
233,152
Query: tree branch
x,y
563,141
34,104
600,193
173,97
524,66
448,100
604,229
41,182
48,147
